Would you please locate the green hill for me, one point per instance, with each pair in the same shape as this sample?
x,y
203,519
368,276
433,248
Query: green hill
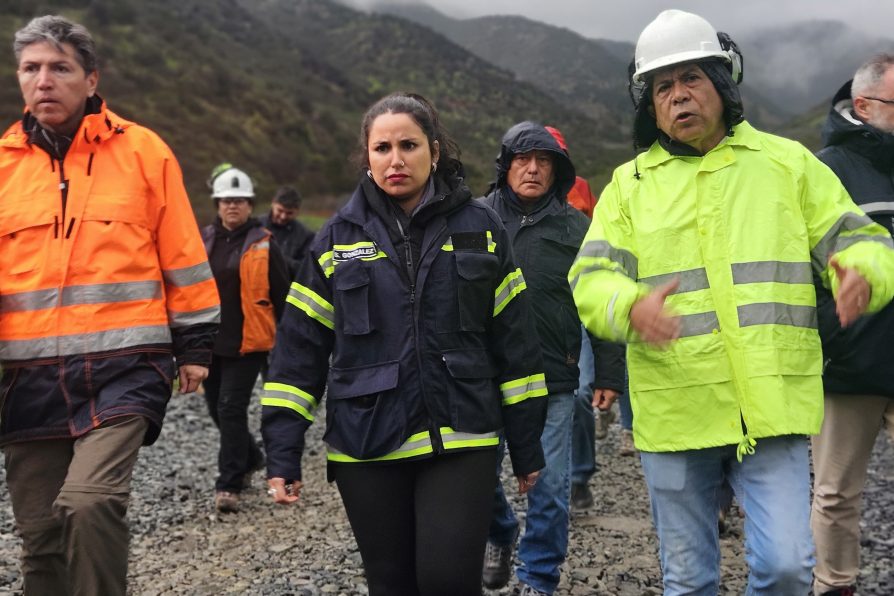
x,y
278,87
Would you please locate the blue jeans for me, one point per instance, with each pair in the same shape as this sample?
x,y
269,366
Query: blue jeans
x,y
772,487
583,434
543,547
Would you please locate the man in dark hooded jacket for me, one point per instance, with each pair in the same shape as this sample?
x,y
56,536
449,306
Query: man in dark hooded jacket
x,y
858,377
534,175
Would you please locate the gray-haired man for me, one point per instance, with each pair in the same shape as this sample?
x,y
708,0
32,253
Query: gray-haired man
x,y
105,282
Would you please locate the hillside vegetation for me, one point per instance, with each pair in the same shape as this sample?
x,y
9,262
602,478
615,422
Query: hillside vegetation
x,y
278,87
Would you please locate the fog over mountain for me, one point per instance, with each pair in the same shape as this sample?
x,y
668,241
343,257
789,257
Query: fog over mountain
x,y
623,20
789,68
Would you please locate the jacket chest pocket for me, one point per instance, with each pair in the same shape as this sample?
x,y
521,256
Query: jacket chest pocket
x,y
352,281
475,284
26,237
553,255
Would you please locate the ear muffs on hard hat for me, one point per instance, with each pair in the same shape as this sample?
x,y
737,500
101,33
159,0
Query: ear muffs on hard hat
x,y
675,37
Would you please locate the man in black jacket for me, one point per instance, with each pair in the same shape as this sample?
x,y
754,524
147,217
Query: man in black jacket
x,y
858,377
292,238
534,175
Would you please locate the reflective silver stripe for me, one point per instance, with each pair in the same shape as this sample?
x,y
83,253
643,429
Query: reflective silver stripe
x,y
513,284
698,324
777,313
188,276
525,388
458,440
592,269
691,280
418,444
117,292
25,301
601,248
312,304
84,343
265,245
74,295
772,271
196,317
878,207
845,241
848,222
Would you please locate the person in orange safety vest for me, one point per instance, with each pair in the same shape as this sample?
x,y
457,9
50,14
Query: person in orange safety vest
x,y
253,280
106,297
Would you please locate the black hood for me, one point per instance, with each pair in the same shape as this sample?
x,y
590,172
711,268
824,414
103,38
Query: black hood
x,y
645,129
530,136
843,127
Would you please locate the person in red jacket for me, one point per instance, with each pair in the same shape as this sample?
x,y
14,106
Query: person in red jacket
x,y
105,286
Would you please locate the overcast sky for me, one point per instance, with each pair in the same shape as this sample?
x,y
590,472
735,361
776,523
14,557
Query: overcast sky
x,y
624,19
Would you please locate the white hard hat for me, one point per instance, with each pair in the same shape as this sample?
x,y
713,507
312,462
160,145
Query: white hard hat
x,y
232,183
675,37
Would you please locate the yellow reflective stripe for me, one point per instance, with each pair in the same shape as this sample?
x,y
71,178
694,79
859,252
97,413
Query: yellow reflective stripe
x,y
292,390
511,287
459,440
285,403
312,304
418,444
327,264
280,395
525,388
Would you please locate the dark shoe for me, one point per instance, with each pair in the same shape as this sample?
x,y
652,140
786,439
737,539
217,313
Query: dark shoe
x,y
497,565
848,591
226,502
526,590
581,497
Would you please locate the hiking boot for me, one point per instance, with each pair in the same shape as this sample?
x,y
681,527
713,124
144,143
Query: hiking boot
x,y
603,421
226,502
526,590
847,591
581,497
626,446
497,565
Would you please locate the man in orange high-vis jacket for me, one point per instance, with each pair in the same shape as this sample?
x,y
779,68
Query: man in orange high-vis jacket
x,y
104,283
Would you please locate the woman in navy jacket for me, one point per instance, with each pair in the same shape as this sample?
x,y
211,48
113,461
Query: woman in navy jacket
x,y
412,314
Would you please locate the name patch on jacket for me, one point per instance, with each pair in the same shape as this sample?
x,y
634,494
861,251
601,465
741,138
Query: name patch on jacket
x,y
359,250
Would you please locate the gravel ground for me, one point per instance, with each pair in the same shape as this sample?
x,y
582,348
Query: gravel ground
x,y
180,545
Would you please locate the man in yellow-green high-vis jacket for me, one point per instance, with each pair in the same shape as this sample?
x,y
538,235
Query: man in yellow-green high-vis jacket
x,y
701,255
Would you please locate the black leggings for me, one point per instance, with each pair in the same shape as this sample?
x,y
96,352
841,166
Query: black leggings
x,y
421,526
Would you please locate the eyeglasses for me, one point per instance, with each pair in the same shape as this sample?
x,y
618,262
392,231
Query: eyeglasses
x,y
887,101
233,201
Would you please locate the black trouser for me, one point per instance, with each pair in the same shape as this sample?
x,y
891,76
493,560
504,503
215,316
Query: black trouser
x,y
228,393
421,526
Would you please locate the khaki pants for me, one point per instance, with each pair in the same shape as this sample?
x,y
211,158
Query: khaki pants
x,y
840,458
69,498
